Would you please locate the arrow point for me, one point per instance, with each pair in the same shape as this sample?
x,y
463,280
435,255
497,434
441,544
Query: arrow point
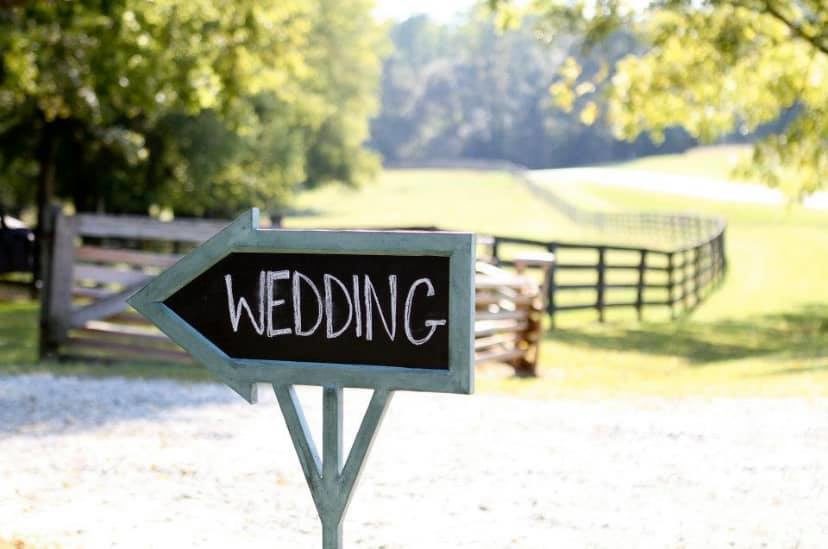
x,y
134,300
138,301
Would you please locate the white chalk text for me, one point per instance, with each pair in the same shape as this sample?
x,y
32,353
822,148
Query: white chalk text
x,y
364,306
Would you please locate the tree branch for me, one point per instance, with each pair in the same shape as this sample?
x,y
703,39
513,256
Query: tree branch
x,y
815,40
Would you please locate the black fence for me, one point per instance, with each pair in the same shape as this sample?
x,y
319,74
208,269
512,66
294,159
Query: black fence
x,y
683,262
601,277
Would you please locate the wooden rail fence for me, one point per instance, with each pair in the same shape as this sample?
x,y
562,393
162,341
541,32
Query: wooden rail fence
x,y
681,259
610,276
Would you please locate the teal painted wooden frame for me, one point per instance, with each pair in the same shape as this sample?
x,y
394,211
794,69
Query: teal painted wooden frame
x,y
244,235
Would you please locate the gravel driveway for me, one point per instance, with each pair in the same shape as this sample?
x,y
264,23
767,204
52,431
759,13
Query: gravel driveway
x,y
117,463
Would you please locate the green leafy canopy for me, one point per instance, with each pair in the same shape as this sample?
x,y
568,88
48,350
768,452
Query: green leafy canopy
x,y
710,66
467,90
202,106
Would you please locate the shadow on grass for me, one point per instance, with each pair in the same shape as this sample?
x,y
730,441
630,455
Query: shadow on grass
x,y
802,333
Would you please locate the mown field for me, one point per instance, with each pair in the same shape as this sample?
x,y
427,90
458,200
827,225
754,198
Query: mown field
x,y
717,161
764,332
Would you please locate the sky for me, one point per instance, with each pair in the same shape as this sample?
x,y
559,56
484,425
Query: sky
x,y
443,10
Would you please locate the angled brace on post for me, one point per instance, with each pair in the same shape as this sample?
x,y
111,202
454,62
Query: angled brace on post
x,y
331,484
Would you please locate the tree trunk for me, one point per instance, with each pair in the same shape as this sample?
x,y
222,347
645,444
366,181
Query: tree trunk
x,y
45,191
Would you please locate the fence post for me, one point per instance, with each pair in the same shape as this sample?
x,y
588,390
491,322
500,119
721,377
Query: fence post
x,y
670,295
639,297
550,281
697,274
685,228
46,224
601,267
685,280
57,277
712,274
495,244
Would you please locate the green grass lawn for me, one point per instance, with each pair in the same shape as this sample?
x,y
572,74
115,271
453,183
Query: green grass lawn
x,y
459,200
18,352
764,332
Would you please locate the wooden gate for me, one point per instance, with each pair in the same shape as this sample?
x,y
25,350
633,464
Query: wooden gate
x,y
94,263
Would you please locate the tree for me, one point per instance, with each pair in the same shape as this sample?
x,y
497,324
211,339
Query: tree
x,y
201,106
712,67
88,81
346,53
467,90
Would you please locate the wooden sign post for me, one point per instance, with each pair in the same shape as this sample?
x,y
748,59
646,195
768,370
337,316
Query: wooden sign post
x,y
385,310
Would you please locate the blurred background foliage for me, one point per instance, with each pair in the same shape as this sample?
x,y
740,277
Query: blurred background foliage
x,y
711,67
200,106
472,90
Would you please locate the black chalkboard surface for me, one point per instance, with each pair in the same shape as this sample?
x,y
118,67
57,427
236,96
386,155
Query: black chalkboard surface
x,y
327,308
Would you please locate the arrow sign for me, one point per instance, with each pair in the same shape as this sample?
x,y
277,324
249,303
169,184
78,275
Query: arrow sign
x,y
371,309
387,310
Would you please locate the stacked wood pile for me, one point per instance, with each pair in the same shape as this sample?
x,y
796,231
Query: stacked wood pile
x,y
508,319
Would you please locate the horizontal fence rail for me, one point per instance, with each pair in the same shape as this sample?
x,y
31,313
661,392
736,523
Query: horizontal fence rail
x,y
508,318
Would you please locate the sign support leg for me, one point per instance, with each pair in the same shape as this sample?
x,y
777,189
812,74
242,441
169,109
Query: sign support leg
x,y
331,483
330,513
331,535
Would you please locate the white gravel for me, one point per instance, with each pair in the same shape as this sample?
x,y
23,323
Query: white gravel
x,y
116,463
